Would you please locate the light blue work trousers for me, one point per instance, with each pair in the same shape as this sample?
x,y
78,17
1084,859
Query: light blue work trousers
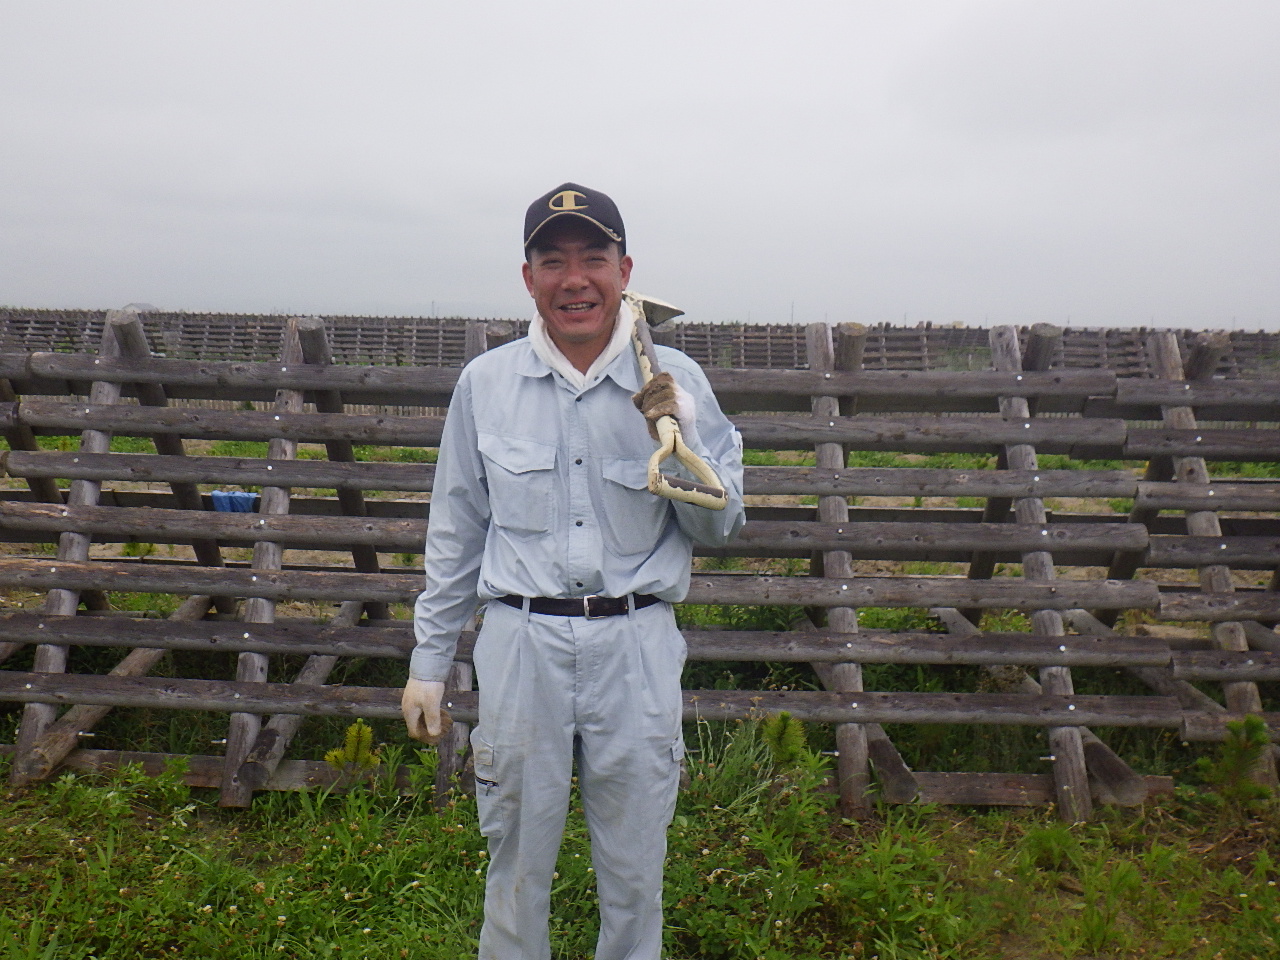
x,y
603,692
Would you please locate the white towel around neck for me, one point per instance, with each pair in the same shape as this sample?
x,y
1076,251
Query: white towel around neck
x,y
550,354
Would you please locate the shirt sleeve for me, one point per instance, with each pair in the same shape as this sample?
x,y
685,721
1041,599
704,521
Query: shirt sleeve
x,y
719,444
456,529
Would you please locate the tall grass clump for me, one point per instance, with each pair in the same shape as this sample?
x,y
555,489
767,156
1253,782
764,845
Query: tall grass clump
x,y
765,868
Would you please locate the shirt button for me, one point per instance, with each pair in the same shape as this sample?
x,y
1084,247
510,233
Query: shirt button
x,y
579,583
579,523
578,461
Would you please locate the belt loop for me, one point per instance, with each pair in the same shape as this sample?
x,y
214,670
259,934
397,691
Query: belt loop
x,y
631,606
524,610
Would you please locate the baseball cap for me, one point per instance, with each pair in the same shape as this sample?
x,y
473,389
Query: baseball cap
x,y
575,200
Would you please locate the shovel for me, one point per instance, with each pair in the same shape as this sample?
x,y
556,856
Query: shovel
x,y
710,492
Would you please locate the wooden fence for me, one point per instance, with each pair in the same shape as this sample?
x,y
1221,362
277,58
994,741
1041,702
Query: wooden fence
x,y
1196,547
417,341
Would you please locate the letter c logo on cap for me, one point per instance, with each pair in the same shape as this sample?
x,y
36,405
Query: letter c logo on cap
x,y
567,200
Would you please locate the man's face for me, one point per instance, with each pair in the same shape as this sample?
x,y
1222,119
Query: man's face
x,y
576,278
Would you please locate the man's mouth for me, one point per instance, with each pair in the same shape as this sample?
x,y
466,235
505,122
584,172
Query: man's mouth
x,y
580,306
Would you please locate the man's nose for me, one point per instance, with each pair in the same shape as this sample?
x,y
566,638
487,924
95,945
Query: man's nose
x,y
575,278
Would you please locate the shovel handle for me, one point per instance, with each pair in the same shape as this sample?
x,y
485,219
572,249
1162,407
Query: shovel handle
x,y
710,493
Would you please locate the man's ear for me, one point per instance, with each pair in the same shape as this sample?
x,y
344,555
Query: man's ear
x,y
625,265
526,269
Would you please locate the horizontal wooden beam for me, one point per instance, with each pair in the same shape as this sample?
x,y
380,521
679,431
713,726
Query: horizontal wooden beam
x,y
925,434
896,591
1222,665
1003,789
394,640
915,591
417,383
1203,395
384,702
863,540
1239,553
158,525
1146,443
197,423
1220,607
366,475
1262,496
1212,727
936,482
968,789
238,471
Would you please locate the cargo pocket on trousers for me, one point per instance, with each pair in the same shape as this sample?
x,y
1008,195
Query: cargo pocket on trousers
x,y
677,758
488,789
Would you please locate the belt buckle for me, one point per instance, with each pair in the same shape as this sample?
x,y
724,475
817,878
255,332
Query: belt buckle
x,y
586,607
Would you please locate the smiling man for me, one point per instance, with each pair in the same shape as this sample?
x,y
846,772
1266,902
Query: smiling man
x,y
541,512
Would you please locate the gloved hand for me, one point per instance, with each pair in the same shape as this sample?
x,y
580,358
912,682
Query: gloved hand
x,y
663,397
420,706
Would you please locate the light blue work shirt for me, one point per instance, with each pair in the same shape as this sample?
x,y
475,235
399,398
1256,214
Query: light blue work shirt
x,y
541,490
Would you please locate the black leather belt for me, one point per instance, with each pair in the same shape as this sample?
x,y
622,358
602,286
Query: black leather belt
x,y
591,607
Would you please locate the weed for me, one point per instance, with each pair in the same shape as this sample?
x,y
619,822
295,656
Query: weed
x,y
1231,774
784,735
1052,847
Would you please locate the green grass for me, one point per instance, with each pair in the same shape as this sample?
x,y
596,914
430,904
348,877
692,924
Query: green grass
x,y
760,865
1225,469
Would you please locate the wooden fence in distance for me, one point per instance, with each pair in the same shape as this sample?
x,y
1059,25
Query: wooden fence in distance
x,y
1196,547
416,341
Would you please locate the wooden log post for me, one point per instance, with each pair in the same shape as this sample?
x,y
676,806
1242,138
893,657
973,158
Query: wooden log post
x,y
73,547
268,557
134,347
1200,366
1041,346
498,332
316,351
1241,696
277,733
853,775
1071,780
897,781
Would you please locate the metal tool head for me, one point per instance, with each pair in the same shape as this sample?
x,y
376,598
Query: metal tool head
x,y
656,311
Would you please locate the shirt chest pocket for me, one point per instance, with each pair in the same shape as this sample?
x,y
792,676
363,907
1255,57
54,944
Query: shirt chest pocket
x,y
632,517
521,475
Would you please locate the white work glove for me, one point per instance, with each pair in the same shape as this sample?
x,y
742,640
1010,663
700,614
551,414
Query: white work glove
x,y
664,397
420,706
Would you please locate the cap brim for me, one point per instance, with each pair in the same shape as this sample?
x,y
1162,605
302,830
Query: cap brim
x,y
582,216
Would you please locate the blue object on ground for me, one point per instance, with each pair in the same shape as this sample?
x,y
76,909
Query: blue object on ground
x,y
234,501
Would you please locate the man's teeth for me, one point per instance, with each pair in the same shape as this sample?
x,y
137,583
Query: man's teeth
x,y
576,307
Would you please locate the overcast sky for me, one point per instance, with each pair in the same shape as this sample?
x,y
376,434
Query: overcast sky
x,y
1091,162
